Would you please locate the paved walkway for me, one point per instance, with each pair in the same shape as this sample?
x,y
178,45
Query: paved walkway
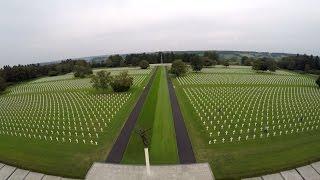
x,y
185,150
101,171
12,173
119,147
309,172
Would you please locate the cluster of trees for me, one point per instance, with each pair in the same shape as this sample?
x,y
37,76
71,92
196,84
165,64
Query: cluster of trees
x,y
178,68
82,69
11,75
119,83
246,61
264,64
144,64
154,58
304,63
209,58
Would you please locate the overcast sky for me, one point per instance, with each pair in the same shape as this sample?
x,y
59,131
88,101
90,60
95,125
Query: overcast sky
x,y
43,30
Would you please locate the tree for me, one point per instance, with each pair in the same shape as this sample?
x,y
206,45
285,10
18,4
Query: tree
x,y
144,64
123,63
3,84
318,81
81,69
244,59
135,61
248,62
207,62
264,64
211,55
196,63
178,68
226,63
122,82
101,80
272,65
114,61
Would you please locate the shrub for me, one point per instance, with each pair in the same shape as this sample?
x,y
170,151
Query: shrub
x,y
178,68
318,81
122,82
144,64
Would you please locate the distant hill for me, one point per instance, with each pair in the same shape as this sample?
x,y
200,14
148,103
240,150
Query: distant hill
x,y
223,55
252,54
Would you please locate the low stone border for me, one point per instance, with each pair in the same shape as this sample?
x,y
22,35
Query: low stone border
x,y
309,172
13,173
102,171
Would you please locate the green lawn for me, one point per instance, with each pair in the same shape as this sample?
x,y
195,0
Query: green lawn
x,y
59,108
157,115
252,157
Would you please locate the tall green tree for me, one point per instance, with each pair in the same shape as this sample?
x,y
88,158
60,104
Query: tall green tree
x,y
122,82
226,63
114,61
144,64
178,68
82,69
243,60
101,80
196,63
264,64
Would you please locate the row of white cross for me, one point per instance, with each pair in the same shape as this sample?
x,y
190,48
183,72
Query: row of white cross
x,y
243,113
62,85
248,79
64,117
61,110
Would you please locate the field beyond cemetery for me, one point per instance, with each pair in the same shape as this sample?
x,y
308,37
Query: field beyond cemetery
x,y
246,123
60,126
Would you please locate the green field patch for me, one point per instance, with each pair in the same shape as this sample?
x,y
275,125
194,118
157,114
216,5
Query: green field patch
x,y
265,124
61,127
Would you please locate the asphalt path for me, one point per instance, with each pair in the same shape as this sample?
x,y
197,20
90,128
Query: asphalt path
x,y
186,154
119,147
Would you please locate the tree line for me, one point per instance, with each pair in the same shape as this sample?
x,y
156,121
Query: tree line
x,y
81,68
10,75
304,63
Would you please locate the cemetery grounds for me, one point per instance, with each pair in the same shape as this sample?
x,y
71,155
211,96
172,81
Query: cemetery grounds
x,y
60,125
246,123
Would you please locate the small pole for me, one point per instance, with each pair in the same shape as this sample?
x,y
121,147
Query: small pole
x,y
146,154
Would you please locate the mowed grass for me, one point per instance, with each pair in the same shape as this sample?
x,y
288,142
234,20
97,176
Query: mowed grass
x,y
61,130
156,115
293,102
163,149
